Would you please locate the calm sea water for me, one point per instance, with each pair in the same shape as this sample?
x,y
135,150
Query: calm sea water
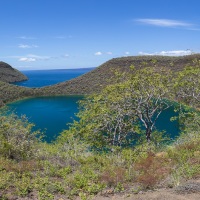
x,y
40,78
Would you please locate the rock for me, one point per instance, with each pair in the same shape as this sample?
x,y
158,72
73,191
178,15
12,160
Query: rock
x,y
188,188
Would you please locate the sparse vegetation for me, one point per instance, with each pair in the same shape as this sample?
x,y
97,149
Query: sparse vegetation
x,y
68,169
89,158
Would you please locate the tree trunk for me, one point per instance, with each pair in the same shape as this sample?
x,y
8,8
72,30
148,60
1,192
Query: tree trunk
x,y
148,134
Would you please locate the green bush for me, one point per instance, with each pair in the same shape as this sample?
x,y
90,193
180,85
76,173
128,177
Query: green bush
x,y
17,141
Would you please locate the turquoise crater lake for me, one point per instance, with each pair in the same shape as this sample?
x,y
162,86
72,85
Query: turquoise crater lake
x,y
52,115
49,114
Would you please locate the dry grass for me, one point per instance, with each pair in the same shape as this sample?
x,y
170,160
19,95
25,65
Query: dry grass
x,y
152,170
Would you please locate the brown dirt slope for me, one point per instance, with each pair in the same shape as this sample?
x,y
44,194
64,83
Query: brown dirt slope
x,y
187,191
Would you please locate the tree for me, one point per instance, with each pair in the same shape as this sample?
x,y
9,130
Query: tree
x,y
115,116
187,86
187,91
148,94
105,119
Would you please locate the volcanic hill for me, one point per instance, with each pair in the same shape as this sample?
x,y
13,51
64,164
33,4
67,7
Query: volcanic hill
x,y
10,75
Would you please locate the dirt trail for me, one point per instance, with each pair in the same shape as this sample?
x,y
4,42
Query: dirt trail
x,y
156,195
187,191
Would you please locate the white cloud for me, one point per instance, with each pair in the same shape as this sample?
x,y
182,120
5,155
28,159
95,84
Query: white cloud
x,y
32,58
25,46
169,53
164,22
39,57
27,59
98,53
127,52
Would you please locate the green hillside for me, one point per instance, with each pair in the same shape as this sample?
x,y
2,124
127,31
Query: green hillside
x,y
98,78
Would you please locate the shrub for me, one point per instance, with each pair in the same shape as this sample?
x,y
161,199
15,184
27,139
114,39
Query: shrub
x,y
17,141
151,170
113,176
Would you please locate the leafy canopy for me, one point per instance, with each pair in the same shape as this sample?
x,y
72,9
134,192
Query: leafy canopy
x,y
115,116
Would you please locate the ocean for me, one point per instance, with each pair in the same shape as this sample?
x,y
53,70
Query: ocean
x,y
40,78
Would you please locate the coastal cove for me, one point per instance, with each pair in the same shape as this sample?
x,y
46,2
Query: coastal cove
x,y
41,78
52,115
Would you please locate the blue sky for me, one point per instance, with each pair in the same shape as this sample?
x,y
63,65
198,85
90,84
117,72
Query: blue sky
x,y
50,34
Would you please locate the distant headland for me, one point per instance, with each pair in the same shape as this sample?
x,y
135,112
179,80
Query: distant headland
x,y
9,75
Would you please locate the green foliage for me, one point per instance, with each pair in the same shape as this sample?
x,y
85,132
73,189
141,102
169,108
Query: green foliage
x,y
84,174
45,195
187,86
104,119
159,139
114,116
85,182
23,186
185,153
147,92
17,141
63,172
